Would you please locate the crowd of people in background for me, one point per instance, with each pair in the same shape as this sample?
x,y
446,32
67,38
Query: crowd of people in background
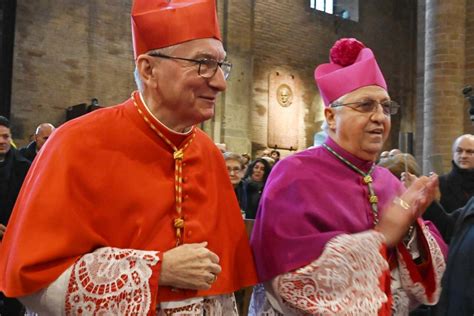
x,y
249,177
14,165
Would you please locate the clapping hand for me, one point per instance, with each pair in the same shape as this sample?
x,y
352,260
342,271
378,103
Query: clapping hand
x,y
401,214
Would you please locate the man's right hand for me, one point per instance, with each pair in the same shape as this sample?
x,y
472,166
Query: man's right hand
x,y
2,230
397,217
189,266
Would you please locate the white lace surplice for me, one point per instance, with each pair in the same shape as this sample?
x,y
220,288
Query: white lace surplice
x,y
112,281
345,280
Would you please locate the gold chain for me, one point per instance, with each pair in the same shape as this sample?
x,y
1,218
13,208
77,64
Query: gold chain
x,y
367,178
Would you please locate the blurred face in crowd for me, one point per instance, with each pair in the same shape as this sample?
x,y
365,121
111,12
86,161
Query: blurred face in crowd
x,y
463,154
275,155
266,153
394,152
5,139
360,133
42,135
258,172
235,171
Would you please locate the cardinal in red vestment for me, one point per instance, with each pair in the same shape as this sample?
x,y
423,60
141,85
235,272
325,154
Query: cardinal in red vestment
x,y
129,210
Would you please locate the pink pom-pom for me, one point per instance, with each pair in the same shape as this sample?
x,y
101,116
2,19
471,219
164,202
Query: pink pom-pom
x,y
345,51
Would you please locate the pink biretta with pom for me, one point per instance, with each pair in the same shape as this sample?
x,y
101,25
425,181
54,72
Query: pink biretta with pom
x,y
352,66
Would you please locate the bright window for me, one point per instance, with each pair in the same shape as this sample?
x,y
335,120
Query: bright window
x,y
345,9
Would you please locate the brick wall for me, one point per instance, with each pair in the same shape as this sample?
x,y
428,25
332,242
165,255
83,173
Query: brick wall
x,y
68,53
469,64
420,81
76,50
288,35
444,106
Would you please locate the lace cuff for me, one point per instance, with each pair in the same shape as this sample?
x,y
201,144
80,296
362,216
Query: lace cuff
x,y
422,282
211,305
113,281
348,278
108,281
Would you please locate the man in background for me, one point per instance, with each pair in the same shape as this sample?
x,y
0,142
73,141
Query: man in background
x,y
457,187
42,133
13,169
275,155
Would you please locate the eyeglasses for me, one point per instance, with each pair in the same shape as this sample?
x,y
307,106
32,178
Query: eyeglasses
x,y
370,106
234,169
207,67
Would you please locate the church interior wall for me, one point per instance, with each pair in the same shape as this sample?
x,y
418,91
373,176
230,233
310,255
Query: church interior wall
x,y
68,52
469,53
290,37
72,51
444,36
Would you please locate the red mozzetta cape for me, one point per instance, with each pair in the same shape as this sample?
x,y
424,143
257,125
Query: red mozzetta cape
x,y
107,180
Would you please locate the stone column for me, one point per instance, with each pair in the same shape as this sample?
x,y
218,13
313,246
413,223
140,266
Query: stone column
x,y
444,80
234,127
420,80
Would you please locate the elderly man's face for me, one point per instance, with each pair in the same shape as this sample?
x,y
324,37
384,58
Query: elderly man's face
x,y
190,97
362,134
42,136
5,138
463,155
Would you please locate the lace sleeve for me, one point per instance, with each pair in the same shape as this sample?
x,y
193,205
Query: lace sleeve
x,y
108,281
422,282
348,278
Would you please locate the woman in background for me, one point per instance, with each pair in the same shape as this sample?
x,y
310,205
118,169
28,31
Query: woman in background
x,y
254,182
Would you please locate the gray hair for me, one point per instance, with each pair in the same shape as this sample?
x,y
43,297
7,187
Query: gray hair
x,y
165,51
233,156
44,125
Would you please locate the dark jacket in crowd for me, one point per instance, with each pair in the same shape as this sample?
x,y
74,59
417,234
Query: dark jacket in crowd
x,y
241,195
253,192
457,296
456,187
29,151
252,189
12,173
441,219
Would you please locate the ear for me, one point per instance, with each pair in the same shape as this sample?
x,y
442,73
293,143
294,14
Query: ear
x,y
145,66
330,116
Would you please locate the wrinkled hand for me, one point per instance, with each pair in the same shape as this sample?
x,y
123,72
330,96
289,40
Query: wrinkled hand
x,y
398,217
189,266
2,230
